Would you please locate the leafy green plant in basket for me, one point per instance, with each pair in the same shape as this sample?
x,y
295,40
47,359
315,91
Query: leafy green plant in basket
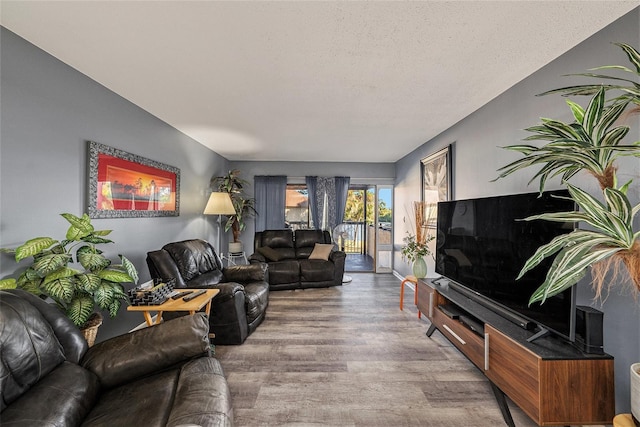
x,y
591,143
77,292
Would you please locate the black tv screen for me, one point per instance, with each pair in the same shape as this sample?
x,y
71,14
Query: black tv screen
x,y
482,244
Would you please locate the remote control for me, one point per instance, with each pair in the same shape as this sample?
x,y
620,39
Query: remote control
x,y
180,294
193,295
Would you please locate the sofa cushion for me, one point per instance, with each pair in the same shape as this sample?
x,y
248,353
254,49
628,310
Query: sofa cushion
x,y
148,358
206,280
62,398
316,270
193,258
202,396
321,251
277,239
147,401
29,349
287,271
270,254
308,238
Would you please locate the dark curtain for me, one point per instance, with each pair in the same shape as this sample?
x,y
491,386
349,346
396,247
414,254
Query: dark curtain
x,y
342,190
270,194
327,200
312,187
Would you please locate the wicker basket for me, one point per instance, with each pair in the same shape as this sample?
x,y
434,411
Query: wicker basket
x,y
90,329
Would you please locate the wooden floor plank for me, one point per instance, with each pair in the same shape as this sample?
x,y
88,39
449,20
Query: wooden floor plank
x,y
347,356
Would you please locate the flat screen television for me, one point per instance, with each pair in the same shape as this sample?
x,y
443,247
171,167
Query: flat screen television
x,y
482,244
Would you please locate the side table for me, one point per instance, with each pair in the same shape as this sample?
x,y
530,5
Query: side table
x,y
232,256
179,304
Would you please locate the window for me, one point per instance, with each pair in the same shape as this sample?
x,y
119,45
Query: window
x,y
296,211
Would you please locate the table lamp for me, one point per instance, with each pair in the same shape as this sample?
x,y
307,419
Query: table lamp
x,y
219,204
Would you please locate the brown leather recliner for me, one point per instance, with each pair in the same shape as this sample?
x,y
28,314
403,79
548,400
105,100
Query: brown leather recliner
x,y
287,255
244,292
157,376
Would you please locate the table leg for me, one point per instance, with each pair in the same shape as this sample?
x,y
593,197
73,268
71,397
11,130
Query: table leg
x,y
207,308
148,318
159,318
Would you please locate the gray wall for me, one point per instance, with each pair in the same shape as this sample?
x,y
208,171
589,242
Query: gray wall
x,y
49,111
360,173
477,157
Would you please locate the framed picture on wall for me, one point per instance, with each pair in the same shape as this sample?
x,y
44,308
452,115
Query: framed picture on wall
x,y
124,185
436,183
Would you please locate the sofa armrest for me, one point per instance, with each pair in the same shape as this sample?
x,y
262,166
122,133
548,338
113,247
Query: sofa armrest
x,y
246,273
257,257
337,256
142,352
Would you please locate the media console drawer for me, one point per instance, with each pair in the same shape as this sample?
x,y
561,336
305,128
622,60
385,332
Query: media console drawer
x,y
462,337
551,391
427,297
514,370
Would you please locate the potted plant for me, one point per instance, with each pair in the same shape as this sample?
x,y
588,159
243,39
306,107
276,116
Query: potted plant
x,y
591,143
76,291
245,206
415,251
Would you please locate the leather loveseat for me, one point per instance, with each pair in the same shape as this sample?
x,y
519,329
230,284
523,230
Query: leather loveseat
x,y
244,292
158,376
291,260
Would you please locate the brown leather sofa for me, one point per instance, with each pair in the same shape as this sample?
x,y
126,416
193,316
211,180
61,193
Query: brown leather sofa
x,y
287,254
244,292
157,376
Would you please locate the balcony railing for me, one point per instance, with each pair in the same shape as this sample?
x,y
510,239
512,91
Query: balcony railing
x,y
352,236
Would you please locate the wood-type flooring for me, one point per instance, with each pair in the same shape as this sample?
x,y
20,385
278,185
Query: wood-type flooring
x,y
347,356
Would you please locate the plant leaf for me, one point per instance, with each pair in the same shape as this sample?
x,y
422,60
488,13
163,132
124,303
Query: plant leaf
x,y
632,54
80,227
61,273
88,282
60,290
9,283
93,261
33,247
114,276
129,268
96,240
79,309
567,269
104,294
50,263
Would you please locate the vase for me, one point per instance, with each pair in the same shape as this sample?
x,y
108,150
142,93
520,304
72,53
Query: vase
x,y
419,268
634,382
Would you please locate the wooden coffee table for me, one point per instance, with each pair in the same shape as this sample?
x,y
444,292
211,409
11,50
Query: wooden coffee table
x,y
177,305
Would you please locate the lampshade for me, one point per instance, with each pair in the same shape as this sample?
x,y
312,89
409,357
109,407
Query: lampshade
x,y
219,204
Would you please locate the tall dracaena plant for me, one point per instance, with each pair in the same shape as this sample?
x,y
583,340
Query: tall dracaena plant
x,y
591,143
245,207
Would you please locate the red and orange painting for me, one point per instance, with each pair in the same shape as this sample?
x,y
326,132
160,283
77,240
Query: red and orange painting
x,y
127,185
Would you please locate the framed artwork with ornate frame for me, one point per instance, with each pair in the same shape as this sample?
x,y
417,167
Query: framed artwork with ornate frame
x,y
436,182
124,185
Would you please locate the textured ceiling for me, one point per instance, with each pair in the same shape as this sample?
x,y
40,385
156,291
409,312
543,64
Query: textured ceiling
x,y
314,81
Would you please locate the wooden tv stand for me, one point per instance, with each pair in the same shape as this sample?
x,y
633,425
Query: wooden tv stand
x,y
553,382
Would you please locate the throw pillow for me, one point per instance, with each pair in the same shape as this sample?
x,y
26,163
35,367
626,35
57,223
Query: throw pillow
x,y
269,253
321,251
